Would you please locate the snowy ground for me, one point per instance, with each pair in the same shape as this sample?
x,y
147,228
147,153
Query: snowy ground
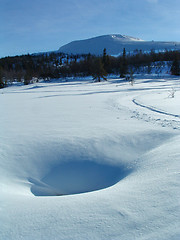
x,y
83,160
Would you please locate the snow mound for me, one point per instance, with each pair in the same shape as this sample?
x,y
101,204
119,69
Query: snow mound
x,y
77,177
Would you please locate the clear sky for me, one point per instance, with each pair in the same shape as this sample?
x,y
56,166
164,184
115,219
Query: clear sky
x,y
28,26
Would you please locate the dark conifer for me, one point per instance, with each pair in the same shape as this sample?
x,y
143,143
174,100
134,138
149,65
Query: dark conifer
x,y
27,78
98,70
123,65
175,68
1,79
106,61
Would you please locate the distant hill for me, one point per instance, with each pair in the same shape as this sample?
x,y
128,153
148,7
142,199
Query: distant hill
x,y
114,45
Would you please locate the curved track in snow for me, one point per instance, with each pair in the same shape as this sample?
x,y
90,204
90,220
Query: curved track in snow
x,y
154,109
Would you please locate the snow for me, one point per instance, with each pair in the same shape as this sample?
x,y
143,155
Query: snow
x,y
83,160
125,38
115,43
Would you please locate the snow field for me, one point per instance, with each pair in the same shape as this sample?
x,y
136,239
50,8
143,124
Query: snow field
x,y
60,139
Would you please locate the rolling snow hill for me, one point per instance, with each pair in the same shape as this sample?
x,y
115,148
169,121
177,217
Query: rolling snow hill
x,y
114,44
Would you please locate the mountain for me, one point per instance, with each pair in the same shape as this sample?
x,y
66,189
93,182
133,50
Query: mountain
x,y
114,45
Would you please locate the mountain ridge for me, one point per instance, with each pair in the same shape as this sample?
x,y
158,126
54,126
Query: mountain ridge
x,y
114,44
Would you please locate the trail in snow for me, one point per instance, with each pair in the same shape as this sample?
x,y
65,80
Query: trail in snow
x,y
174,124
162,122
154,109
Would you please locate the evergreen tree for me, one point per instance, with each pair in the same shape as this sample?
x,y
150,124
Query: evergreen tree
x,y
88,64
67,59
123,65
104,56
175,68
106,61
27,78
98,70
1,79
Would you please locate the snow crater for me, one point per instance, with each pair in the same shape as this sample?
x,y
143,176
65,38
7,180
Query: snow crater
x,y
77,177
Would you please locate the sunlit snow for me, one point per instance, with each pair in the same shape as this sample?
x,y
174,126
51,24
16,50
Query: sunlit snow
x,y
84,160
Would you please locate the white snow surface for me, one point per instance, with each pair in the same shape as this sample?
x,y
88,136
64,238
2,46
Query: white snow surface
x,y
115,43
83,160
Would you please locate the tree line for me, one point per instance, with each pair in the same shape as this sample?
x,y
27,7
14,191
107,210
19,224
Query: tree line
x,y
26,68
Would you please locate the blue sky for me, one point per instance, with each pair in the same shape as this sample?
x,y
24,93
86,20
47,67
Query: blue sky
x,y
28,26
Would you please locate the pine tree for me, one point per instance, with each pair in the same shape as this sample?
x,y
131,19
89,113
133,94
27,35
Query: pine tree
x,y
123,65
2,85
175,68
27,78
104,56
98,70
105,60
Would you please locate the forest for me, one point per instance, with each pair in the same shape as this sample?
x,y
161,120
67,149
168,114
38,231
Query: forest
x,y
29,68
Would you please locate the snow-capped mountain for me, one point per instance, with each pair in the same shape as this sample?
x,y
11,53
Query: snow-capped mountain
x,y
114,45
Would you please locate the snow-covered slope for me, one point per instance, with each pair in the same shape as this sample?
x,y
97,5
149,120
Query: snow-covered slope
x,y
82,160
114,44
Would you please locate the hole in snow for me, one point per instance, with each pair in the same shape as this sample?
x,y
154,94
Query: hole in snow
x,y
77,177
